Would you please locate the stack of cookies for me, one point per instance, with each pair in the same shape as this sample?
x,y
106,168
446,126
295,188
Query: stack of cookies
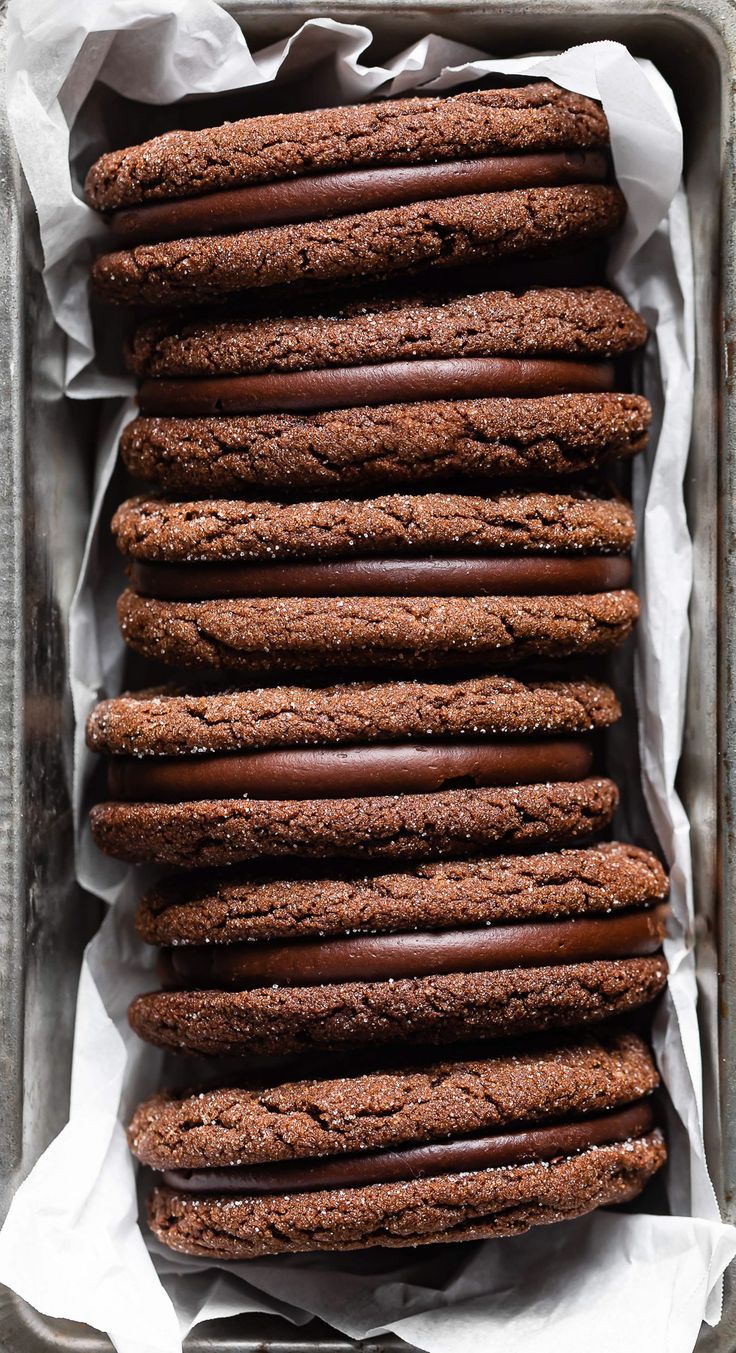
x,y
377,549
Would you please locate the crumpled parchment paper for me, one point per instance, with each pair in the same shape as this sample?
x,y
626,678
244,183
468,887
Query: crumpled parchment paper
x,y
71,1244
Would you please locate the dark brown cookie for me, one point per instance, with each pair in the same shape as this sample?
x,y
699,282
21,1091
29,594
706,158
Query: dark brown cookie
x,y
384,1109
164,722
227,908
414,1134
400,827
438,1009
388,445
470,1206
378,243
510,522
323,634
551,321
182,164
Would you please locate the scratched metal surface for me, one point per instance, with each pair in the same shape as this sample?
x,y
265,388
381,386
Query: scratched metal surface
x,y
45,482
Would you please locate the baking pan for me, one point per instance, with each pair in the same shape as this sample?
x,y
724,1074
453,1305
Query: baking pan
x,y
45,491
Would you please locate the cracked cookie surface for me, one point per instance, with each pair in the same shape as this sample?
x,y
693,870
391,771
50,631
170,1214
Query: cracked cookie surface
x,y
211,530
389,444
265,635
497,1202
552,321
449,823
440,1009
164,722
490,1203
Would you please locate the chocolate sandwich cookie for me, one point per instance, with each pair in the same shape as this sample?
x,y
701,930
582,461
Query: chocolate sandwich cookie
x,y
403,767
387,582
357,191
215,393
542,342
286,147
484,946
387,445
441,1150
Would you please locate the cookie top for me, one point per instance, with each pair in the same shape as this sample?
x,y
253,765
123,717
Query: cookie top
x,y
229,908
565,321
454,823
165,723
338,634
386,446
511,522
181,164
426,346
384,1109
445,1008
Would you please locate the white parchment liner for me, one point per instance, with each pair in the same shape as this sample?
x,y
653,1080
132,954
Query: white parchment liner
x,y
71,1244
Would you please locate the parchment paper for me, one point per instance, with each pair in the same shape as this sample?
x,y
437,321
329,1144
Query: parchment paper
x,y
71,1244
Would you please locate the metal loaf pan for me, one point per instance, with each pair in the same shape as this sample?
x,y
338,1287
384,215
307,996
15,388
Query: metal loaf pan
x,y
45,447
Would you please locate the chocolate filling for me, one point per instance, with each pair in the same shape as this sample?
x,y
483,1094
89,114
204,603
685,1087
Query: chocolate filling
x,y
419,1162
512,575
385,383
347,772
310,199
381,958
